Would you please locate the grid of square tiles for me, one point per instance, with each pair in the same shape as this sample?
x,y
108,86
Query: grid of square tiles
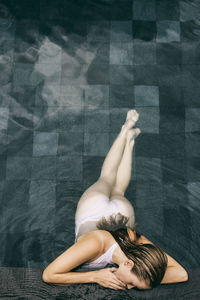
x,y
75,101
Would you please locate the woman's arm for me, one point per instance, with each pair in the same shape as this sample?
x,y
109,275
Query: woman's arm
x,y
85,249
174,272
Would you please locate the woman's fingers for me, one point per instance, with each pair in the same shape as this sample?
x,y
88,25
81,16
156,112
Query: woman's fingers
x,y
119,282
117,287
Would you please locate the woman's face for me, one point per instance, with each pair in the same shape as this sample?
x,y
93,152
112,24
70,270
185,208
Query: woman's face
x,y
125,274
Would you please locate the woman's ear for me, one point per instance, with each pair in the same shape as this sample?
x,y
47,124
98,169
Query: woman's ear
x,y
129,263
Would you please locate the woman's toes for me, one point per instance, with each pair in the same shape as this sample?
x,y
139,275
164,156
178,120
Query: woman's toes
x,y
132,115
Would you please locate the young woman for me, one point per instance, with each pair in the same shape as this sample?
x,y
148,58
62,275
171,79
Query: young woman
x,y
105,223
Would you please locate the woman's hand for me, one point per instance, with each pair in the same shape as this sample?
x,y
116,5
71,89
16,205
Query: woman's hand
x,y
106,278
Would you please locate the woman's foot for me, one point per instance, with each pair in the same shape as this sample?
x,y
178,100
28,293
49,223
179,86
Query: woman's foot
x,y
131,135
131,119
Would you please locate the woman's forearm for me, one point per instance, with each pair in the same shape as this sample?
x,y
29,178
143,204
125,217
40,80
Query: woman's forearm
x,y
70,277
174,274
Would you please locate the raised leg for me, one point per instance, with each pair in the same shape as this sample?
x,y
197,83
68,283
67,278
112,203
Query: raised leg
x,y
106,181
125,168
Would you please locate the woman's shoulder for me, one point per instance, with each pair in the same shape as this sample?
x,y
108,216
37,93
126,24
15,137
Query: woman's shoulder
x,y
103,236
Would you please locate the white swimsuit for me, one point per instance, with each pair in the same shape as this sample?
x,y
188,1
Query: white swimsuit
x,y
102,207
103,260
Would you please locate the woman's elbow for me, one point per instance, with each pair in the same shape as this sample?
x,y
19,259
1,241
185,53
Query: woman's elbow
x,y
185,277
46,277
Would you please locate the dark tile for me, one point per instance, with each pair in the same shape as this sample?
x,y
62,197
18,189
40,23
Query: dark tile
x,y
169,75
91,169
192,144
174,195
193,196
96,144
144,53
14,218
168,54
150,219
190,94
18,167
167,10
2,167
149,119
96,120
70,142
38,247
69,167
172,119
17,196
190,31
148,169
168,31
117,119
98,31
195,223
62,10
99,51
148,193
68,188
65,215
3,142
144,10
43,168
146,74
45,119
96,96
121,11
144,30
190,53
121,31
120,74
121,96
130,192
97,74
95,12
148,145
70,119
14,241
178,220
24,9
170,95
190,75
172,145
174,170
193,169
192,122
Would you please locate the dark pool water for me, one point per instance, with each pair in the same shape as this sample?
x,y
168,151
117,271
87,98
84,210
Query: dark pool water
x,y
69,72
